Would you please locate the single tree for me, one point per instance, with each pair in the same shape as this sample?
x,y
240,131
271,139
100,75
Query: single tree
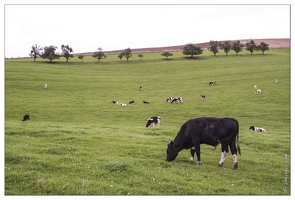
x,y
214,47
66,52
121,55
99,55
237,47
49,53
167,54
251,46
226,46
127,53
81,56
35,51
140,55
263,47
190,49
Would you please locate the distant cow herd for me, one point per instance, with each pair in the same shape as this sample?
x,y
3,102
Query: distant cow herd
x,y
169,99
194,132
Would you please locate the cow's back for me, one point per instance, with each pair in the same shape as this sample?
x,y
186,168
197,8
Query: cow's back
x,y
210,128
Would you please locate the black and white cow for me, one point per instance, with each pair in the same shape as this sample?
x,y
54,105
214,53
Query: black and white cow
x,y
257,129
169,99
212,83
207,130
203,96
153,120
146,102
26,117
177,100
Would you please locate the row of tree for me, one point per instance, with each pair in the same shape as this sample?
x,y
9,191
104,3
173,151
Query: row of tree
x,y
237,47
49,52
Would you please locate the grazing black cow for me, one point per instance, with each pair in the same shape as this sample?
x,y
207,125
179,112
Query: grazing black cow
x,y
207,130
26,117
146,102
153,120
131,102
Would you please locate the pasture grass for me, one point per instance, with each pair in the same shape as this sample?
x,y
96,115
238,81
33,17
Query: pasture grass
x,y
79,143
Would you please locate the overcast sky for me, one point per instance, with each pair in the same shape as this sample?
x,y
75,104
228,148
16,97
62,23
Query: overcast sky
x,y
85,28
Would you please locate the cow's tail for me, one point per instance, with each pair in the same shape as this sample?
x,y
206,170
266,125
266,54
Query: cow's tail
x,y
237,138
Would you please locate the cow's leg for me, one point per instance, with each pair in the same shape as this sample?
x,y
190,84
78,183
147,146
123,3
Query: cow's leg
x,y
192,155
235,157
198,152
223,154
233,150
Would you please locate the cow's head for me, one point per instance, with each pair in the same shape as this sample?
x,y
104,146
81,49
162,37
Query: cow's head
x,y
149,122
171,152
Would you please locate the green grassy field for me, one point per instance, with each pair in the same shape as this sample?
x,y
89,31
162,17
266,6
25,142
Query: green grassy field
x,y
77,142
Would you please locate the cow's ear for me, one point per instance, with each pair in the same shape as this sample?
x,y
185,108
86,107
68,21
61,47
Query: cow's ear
x,y
172,144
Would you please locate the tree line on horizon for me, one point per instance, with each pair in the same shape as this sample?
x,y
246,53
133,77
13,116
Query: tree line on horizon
x,y
49,52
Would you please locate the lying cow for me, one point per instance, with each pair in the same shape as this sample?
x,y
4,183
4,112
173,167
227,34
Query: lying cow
x,y
207,130
115,102
257,129
153,120
26,117
146,102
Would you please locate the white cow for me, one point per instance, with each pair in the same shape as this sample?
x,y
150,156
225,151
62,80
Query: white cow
x,y
255,87
45,85
258,91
